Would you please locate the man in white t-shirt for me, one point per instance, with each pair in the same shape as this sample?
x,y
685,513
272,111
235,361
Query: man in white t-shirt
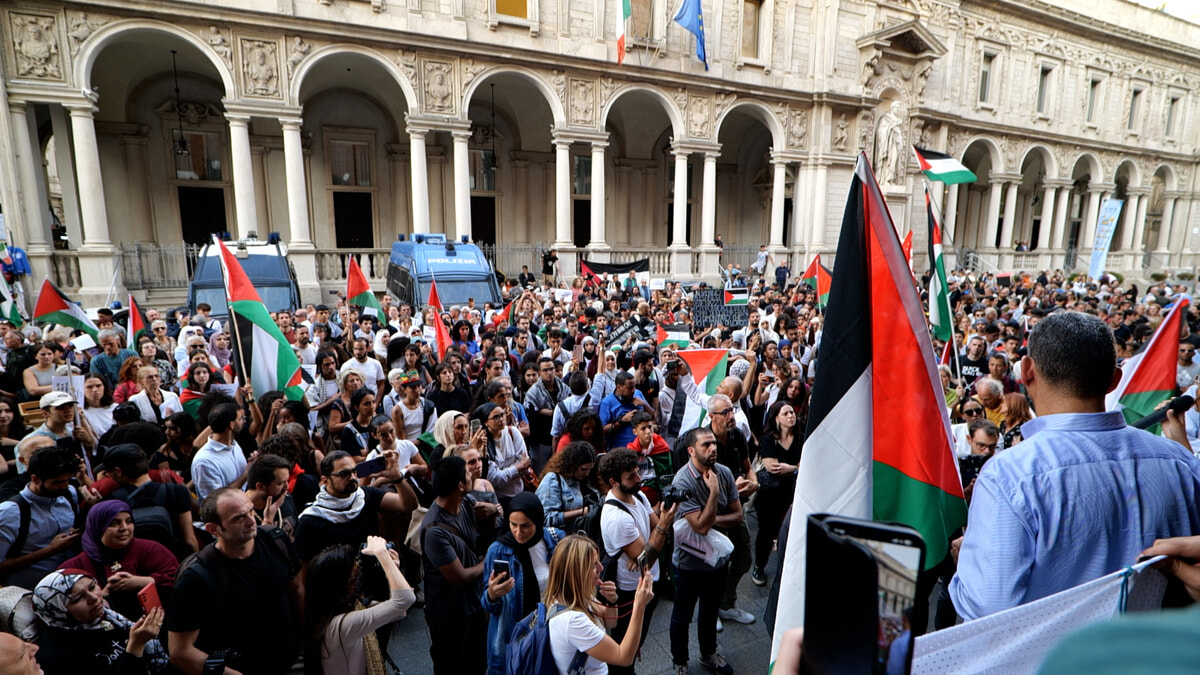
x,y
368,365
630,531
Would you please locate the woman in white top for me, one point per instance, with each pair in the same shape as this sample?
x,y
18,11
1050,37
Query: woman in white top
x,y
156,404
504,447
579,618
98,403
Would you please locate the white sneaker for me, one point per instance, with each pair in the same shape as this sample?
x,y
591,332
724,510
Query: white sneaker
x,y
720,626
737,615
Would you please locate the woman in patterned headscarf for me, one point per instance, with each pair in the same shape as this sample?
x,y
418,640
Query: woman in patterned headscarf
x,y
83,635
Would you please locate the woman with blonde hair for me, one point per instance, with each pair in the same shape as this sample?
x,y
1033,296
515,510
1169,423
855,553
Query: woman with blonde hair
x,y
340,414
578,618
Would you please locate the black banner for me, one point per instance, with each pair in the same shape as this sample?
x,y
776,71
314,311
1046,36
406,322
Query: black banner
x,y
590,271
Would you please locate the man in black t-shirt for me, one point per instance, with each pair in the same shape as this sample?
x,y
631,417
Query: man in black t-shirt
x,y
345,513
974,364
238,595
128,466
549,267
453,575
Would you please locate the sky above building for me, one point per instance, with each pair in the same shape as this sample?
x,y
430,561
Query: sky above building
x,y
1184,9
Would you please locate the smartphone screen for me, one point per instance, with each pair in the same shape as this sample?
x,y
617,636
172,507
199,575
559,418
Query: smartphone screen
x,y
148,597
371,466
501,567
860,596
476,425
578,352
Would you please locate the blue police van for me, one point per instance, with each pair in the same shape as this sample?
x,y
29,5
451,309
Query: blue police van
x,y
460,268
265,263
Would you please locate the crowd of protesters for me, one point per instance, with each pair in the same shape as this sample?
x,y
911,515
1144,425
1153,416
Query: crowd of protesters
x,y
532,461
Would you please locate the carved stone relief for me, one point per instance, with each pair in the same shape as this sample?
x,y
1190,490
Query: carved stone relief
x,y
297,54
470,70
35,44
559,81
220,44
260,67
407,60
797,128
680,96
438,77
891,150
698,117
866,123
80,27
841,133
583,102
607,87
723,101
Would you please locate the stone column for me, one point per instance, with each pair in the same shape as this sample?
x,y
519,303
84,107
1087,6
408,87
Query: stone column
x,y
1165,229
623,232
35,209
1088,236
1139,224
420,178
599,195
708,201
1047,218
562,195
679,200
950,213
137,185
1062,206
992,216
462,183
300,244
72,219
778,186
97,265
243,175
401,219
1129,221
1010,213
520,169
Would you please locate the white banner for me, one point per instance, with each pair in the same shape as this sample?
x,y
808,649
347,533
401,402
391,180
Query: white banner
x,y
1106,225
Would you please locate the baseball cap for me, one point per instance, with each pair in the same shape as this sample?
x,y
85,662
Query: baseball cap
x,y
55,399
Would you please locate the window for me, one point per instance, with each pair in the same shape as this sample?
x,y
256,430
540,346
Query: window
x,y
1172,113
202,159
1093,95
751,16
985,77
641,20
350,163
1043,89
581,181
483,170
1134,99
517,8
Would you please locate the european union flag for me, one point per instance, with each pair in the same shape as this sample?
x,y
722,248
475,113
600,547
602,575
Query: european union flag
x,y
691,17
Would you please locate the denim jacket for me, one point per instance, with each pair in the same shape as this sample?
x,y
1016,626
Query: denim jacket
x,y
504,613
558,495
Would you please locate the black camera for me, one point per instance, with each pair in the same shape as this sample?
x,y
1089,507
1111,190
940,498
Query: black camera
x,y
372,582
673,494
217,661
970,466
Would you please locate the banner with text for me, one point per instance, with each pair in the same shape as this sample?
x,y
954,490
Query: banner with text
x,y
1110,211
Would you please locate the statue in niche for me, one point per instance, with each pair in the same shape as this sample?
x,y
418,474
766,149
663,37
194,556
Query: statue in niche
x,y
841,133
36,47
220,45
260,70
889,145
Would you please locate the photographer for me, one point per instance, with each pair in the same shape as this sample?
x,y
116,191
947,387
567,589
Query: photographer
x,y
549,267
341,632
633,531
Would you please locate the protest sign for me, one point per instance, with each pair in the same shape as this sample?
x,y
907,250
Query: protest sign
x,y
709,309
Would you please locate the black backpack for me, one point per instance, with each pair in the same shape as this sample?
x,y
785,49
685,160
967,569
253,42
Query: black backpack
x,y
150,517
591,527
26,513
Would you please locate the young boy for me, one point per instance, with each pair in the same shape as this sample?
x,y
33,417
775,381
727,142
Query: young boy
x,y
652,451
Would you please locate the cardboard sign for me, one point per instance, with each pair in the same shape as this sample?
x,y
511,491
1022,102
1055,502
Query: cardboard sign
x,y
617,336
709,309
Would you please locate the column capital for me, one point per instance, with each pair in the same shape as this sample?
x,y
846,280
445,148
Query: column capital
x,y
237,119
577,135
1005,178
688,148
785,156
1101,187
599,146
1174,194
291,123
1058,183
460,135
1137,191
82,109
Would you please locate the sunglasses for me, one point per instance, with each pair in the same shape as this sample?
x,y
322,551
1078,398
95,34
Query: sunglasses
x,y
343,474
972,411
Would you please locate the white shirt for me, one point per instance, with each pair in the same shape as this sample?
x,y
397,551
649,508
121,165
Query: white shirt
x,y
572,631
414,420
170,405
216,465
372,369
621,529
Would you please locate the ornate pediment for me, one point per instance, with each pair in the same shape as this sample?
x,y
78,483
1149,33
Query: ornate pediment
x,y
910,40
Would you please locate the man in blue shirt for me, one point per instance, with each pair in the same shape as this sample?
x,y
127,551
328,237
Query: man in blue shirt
x,y
1083,494
616,411
110,361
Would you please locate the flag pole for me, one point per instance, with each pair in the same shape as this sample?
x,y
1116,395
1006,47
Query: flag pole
x,y
237,337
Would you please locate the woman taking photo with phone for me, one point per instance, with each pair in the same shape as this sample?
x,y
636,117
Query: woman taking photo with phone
x,y
503,444
578,618
517,568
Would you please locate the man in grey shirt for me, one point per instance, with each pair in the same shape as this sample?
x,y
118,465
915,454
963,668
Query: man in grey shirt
x,y
713,503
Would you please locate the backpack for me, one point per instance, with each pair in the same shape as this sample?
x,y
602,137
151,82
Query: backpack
x,y
26,513
611,563
529,651
216,574
151,518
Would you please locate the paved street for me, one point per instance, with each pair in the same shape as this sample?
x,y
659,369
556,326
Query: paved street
x,y
747,648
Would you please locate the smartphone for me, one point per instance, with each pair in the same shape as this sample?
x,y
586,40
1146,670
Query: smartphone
x,y
860,605
501,567
578,353
148,597
70,443
371,466
476,425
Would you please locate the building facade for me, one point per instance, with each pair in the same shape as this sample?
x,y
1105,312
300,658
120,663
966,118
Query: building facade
x,y
130,130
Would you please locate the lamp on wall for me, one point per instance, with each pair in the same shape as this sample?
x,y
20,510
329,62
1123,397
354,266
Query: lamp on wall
x,y
492,130
181,148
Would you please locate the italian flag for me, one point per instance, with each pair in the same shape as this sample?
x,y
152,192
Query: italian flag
x,y
5,256
855,463
259,345
940,316
1148,379
624,11
55,307
678,335
819,278
944,168
708,368
358,291
8,305
135,325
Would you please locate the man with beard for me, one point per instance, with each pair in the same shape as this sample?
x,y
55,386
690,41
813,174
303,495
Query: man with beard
x,y
306,351
974,365
37,528
322,392
345,513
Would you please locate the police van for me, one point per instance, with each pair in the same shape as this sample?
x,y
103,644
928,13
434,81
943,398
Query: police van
x,y
265,263
460,268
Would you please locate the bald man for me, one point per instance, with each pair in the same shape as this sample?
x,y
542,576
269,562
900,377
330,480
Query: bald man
x,y
17,656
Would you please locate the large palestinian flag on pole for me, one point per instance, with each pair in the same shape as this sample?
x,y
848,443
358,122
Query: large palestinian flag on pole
x,y
940,316
136,324
855,463
262,355
942,167
1148,379
358,290
55,307
708,367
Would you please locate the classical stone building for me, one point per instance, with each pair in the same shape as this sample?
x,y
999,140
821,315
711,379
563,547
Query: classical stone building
x,y
130,129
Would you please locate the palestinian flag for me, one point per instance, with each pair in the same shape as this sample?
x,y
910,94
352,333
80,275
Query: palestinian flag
x,y
358,291
258,344
136,325
941,318
708,368
8,305
819,278
1148,379
678,335
906,246
737,296
943,168
191,401
624,11
443,336
855,464
503,315
55,307
435,300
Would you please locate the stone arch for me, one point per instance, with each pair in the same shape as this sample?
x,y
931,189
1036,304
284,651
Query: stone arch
x,y
759,111
1048,159
673,112
1092,165
96,43
318,55
1169,178
993,151
534,78
1132,171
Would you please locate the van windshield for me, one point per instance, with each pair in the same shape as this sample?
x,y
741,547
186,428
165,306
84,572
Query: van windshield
x,y
458,291
276,298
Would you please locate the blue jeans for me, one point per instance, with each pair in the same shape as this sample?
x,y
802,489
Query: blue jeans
x,y
690,587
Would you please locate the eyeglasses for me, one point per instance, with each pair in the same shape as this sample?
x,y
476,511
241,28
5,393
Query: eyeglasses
x,y
972,411
343,474
499,416
722,413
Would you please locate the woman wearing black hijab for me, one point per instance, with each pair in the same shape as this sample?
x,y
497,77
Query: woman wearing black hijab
x,y
526,546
